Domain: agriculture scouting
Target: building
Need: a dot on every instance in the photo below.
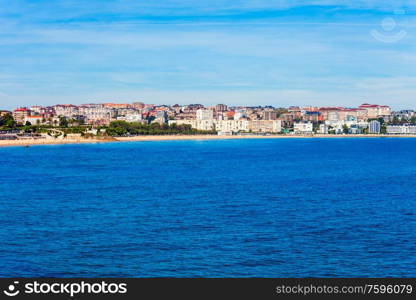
(355, 129)
(192, 123)
(374, 111)
(97, 114)
(333, 116)
(20, 114)
(205, 124)
(239, 114)
(204, 114)
(66, 110)
(221, 107)
(401, 129)
(232, 125)
(404, 114)
(269, 115)
(196, 124)
(312, 116)
(134, 118)
(161, 117)
(263, 126)
(303, 128)
(117, 105)
(37, 109)
(323, 129)
(33, 120)
(329, 112)
(122, 112)
(338, 127)
(138, 105)
(374, 127)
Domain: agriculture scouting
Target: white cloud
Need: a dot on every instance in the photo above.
(77, 56)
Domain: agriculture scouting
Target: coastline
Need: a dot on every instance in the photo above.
(149, 138)
(36, 142)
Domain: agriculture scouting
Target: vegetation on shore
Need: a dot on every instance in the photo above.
(122, 128)
(7, 122)
(116, 128)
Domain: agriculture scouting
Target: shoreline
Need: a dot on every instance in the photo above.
(150, 138)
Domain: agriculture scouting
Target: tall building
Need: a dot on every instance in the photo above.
(375, 111)
(374, 127)
(221, 107)
(20, 114)
(161, 117)
(97, 113)
(269, 115)
(204, 114)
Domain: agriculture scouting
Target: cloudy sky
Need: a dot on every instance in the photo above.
(254, 52)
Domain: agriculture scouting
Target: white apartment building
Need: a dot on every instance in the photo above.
(197, 124)
(374, 127)
(323, 129)
(205, 124)
(37, 109)
(126, 111)
(67, 111)
(401, 129)
(303, 128)
(272, 126)
(193, 123)
(340, 124)
(239, 114)
(134, 118)
(232, 125)
(204, 114)
(221, 125)
(97, 113)
(34, 120)
(131, 118)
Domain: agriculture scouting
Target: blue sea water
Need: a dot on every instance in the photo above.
(226, 208)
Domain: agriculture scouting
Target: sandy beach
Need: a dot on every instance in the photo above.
(30, 142)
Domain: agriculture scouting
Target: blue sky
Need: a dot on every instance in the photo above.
(258, 52)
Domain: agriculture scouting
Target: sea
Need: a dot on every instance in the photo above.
(307, 207)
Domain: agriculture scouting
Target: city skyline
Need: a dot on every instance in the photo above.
(140, 119)
(279, 53)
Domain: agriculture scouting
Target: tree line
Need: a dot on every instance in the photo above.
(123, 128)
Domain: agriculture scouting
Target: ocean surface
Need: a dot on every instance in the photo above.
(228, 208)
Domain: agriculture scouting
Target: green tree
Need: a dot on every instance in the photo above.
(345, 129)
(120, 128)
(7, 121)
(63, 122)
